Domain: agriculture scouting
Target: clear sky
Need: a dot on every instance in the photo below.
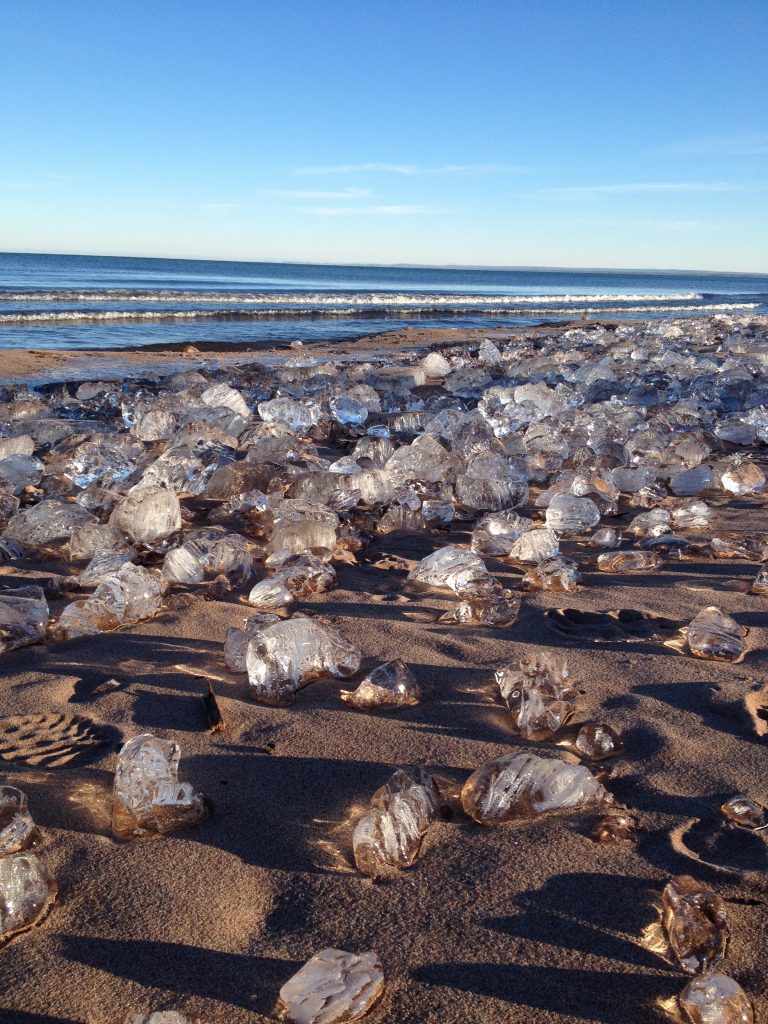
(603, 133)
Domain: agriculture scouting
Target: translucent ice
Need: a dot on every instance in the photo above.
(128, 595)
(715, 999)
(46, 522)
(535, 546)
(485, 603)
(334, 987)
(745, 812)
(450, 567)
(556, 574)
(596, 740)
(695, 924)
(713, 634)
(569, 514)
(148, 797)
(629, 561)
(389, 685)
(27, 890)
(497, 532)
(524, 786)
(158, 1017)
(389, 836)
(743, 478)
(148, 515)
(23, 617)
(537, 690)
(284, 657)
(16, 825)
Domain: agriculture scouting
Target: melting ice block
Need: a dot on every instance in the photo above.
(451, 567)
(148, 797)
(713, 634)
(27, 890)
(695, 924)
(538, 692)
(158, 1017)
(389, 835)
(148, 515)
(389, 685)
(334, 987)
(715, 999)
(128, 595)
(283, 657)
(597, 740)
(16, 825)
(629, 561)
(744, 812)
(46, 522)
(23, 617)
(570, 514)
(554, 574)
(524, 786)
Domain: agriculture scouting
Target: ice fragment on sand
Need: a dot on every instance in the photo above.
(715, 999)
(744, 812)
(535, 546)
(760, 582)
(743, 478)
(537, 691)
(389, 835)
(596, 740)
(46, 522)
(148, 797)
(148, 515)
(128, 595)
(554, 574)
(451, 567)
(714, 635)
(23, 617)
(517, 786)
(334, 987)
(16, 825)
(158, 1017)
(694, 923)
(288, 655)
(614, 829)
(27, 890)
(237, 640)
(497, 532)
(485, 603)
(389, 685)
(570, 514)
(629, 561)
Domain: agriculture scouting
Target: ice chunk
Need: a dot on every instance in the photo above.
(298, 415)
(485, 603)
(103, 461)
(537, 690)
(629, 561)
(570, 514)
(525, 786)
(694, 923)
(715, 999)
(148, 515)
(651, 524)
(450, 567)
(158, 1017)
(556, 574)
(497, 532)
(389, 836)
(436, 365)
(223, 396)
(491, 494)
(17, 828)
(389, 685)
(237, 640)
(27, 891)
(284, 657)
(46, 522)
(690, 481)
(148, 797)
(23, 617)
(535, 546)
(694, 515)
(334, 987)
(128, 595)
(613, 828)
(347, 410)
(713, 634)
(745, 812)
(743, 478)
(596, 740)
(760, 582)
(18, 472)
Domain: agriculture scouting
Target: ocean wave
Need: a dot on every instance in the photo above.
(377, 312)
(327, 298)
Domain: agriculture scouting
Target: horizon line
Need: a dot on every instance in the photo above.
(399, 265)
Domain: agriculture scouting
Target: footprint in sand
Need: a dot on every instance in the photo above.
(720, 846)
(53, 741)
(624, 624)
(756, 703)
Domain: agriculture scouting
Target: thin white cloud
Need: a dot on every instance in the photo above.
(642, 188)
(288, 193)
(374, 211)
(410, 169)
(717, 145)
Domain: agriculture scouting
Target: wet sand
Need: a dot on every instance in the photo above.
(528, 924)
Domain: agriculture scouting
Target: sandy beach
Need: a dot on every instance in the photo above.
(527, 923)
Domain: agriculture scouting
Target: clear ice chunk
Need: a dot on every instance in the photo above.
(497, 532)
(389, 685)
(744, 812)
(148, 797)
(714, 635)
(334, 987)
(760, 582)
(537, 690)
(695, 924)
(284, 657)
(569, 514)
(535, 546)
(128, 595)
(27, 891)
(237, 640)
(522, 786)
(629, 561)
(555, 574)
(743, 477)
(158, 1017)
(46, 522)
(148, 515)
(485, 603)
(597, 740)
(615, 829)
(715, 999)
(389, 836)
(270, 593)
(23, 617)
(455, 568)
(17, 828)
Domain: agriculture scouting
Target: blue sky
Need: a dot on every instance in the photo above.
(603, 133)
